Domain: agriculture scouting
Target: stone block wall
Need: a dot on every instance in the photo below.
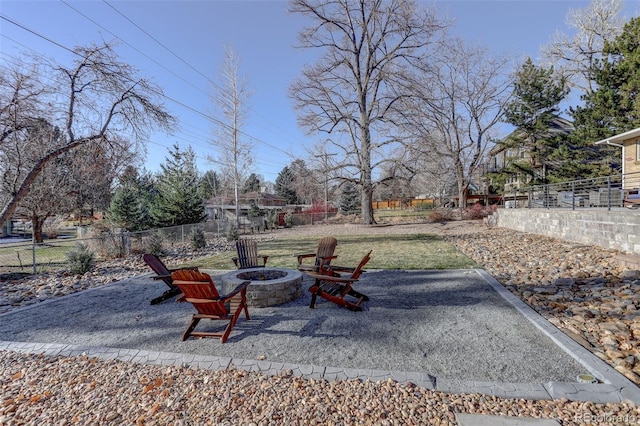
(616, 229)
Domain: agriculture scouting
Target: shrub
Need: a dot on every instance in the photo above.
(441, 214)
(51, 227)
(288, 220)
(272, 219)
(232, 233)
(80, 259)
(478, 211)
(109, 243)
(155, 244)
(197, 239)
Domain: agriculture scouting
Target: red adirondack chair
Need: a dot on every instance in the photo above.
(199, 290)
(162, 273)
(332, 283)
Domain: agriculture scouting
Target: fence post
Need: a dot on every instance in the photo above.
(573, 196)
(33, 255)
(609, 193)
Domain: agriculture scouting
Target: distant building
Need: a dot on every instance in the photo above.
(225, 207)
(630, 144)
(500, 157)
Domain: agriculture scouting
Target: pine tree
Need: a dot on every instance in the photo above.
(179, 202)
(252, 184)
(349, 199)
(614, 107)
(284, 186)
(534, 113)
(132, 200)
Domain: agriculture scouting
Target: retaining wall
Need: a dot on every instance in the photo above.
(614, 229)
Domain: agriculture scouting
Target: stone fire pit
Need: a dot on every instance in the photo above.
(269, 286)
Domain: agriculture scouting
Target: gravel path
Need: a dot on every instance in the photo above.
(579, 288)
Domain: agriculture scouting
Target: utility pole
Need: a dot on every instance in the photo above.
(325, 169)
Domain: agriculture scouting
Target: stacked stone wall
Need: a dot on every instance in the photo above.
(612, 229)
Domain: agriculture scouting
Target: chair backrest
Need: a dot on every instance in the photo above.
(326, 247)
(358, 271)
(198, 289)
(247, 249)
(155, 264)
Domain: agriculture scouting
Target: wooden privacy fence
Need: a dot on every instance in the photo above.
(405, 203)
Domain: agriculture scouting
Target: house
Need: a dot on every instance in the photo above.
(502, 155)
(219, 208)
(630, 144)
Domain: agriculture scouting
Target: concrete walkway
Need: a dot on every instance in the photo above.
(452, 331)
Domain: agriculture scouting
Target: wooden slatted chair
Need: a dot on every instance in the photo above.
(331, 283)
(248, 257)
(322, 257)
(162, 273)
(199, 290)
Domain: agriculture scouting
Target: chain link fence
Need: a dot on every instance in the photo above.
(21, 255)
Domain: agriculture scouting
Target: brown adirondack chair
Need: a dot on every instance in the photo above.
(162, 273)
(333, 284)
(199, 290)
(322, 257)
(248, 256)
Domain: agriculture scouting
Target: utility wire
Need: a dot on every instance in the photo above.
(157, 92)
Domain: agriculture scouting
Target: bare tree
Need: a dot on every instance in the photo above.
(574, 57)
(231, 98)
(456, 106)
(94, 101)
(94, 171)
(368, 46)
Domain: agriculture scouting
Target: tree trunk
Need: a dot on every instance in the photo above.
(36, 227)
(366, 204)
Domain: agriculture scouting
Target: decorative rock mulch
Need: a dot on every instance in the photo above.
(579, 288)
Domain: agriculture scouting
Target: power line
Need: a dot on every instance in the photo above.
(181, 60)
(159, 93)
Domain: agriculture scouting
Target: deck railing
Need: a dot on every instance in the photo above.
(604, 192)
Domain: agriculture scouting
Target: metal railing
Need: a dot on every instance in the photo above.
(602, 192)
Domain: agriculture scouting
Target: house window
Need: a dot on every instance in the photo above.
(638, 150)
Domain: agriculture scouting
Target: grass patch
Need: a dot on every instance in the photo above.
(416, 251)
(49, 255)
(382, 215)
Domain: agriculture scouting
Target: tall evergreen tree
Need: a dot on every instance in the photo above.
(179, 201)
(534, 110)
(131, 203)
(349, 199)
(284, 186)
(614, 107)
(252, 184)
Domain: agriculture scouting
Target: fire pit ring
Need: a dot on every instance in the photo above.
(269, 286)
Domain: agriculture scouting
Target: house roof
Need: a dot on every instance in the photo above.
(618, 139)
(557, 126)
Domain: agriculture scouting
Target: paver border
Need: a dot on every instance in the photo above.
(613, 389)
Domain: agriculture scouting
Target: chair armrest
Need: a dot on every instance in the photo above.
(344, 269)
(332, 278)
(301, 256)
(161, 277)
(239, 288)
(186, 268)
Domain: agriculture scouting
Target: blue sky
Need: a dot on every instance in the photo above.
(180, 45)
